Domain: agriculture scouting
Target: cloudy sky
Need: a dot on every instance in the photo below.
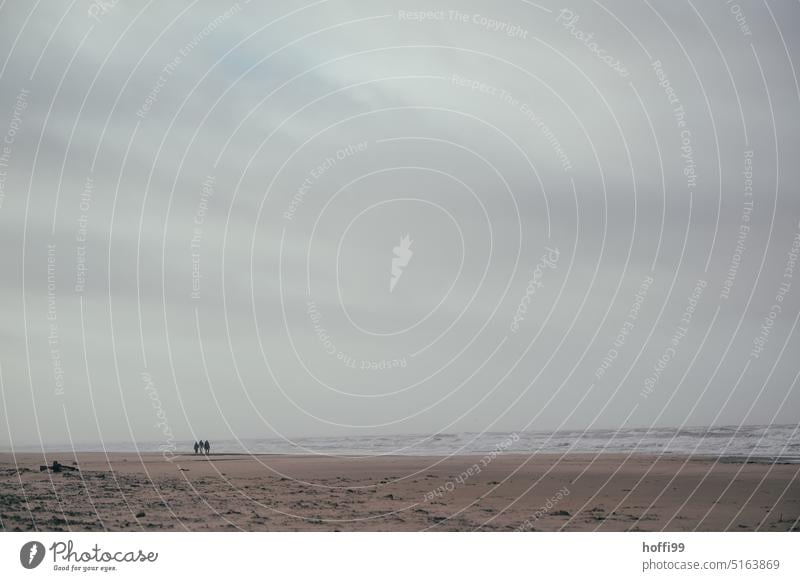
(203, 207)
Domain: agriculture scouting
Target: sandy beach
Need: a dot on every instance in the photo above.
(397, 493)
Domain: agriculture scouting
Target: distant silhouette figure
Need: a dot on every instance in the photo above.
(196, 447)
(207, 447)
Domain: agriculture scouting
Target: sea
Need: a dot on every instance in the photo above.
(757, 443)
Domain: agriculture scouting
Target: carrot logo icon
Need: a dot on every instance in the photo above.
(31, 555)
(402, 256)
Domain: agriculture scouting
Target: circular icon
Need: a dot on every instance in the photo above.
(31, 554)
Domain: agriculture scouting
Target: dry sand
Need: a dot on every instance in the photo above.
(397, 493)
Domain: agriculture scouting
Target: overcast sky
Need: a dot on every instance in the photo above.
(201, 203)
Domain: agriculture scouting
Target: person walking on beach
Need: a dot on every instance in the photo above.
(207, 447)
(196, 447)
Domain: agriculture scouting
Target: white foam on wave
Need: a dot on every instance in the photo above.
(776, 441)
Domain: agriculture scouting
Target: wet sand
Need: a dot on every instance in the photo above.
(123, 491)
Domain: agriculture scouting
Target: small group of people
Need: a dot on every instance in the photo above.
(202, 447)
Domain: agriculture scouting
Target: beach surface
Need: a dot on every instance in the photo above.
(513, 492)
